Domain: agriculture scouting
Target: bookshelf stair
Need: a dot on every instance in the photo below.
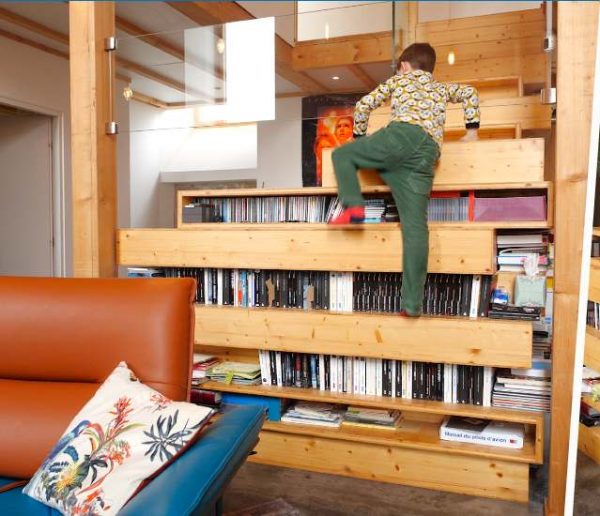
(414, 456)
(456, 340)
(453, 248)
(483, 161)
(589, 437)
(531, 453)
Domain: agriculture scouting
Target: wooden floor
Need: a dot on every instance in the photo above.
(315, 494)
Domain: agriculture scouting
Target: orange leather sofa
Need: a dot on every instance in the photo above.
(60, 339)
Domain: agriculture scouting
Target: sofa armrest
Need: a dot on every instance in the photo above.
(195, 481)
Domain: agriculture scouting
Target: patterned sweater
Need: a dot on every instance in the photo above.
(417, 98)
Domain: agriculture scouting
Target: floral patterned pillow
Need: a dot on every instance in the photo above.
(122, 436)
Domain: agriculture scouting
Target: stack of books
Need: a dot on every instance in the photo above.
(316, 414)
(482, 431)
(590, 383)
(529, 390)
(235, 372)
(202, 363)
(371, 418)
(589, 415)
(514, 248)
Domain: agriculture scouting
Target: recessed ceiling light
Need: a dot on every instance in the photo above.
(336, 78)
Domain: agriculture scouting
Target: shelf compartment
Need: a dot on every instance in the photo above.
(591, 357)
(377, 247)
(594, 292)
(413, 456)
(534, 420)
(483, 161)
(452, 340)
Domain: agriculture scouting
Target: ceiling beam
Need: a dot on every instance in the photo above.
(33, 26)
(359, 72)
(214, 13)
(38, 28)
(344, 51)
(49, 50)
(151, 39)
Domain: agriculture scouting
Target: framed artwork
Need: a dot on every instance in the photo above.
(327, 121)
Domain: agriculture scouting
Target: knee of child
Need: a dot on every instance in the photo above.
(338, 153)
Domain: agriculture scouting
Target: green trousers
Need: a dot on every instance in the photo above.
(405, 155)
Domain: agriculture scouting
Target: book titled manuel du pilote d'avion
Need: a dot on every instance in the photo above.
(481, 431)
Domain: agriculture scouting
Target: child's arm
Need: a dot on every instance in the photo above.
(368, 103)
(469, 97)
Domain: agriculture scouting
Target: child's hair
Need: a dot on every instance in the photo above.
(421, 56)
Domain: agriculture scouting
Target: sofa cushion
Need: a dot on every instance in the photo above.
(61, 337)
(191, 485)
(123, 435)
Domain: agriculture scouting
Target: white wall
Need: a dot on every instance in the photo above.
(433, 11)
(269, 153)
(38, 81)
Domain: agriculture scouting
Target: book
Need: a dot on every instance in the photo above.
(480, 431)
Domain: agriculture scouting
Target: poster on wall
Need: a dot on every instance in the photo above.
(327, 121)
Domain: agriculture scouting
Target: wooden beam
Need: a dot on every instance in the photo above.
(151, 39)
(359, 72)
(214, 13)
(33, 26)
(413, 19)
(34, 44)
(147, 99)
(343, 51)
(93, 152)
(577, 26)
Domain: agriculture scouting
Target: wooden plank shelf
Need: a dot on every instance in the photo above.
(370, 247)
(591, 357)
(451, 340)
(532, 419)
(594, 290)
(414, 456)
(187, 195)
(589, 441)
(482, 161)
(596, 232)
(422, 434)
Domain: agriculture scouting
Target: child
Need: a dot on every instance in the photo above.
(404, 153)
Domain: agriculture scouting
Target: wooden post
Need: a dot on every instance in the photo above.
(577, 25)
(413, 19)
(93, 152)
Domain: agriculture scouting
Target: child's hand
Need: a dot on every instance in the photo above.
(470, 136)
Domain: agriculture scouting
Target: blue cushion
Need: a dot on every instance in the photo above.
(192, 484)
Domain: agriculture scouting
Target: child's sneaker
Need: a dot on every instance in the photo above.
(404, 313)
(352, 215)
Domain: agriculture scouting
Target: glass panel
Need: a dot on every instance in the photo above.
(324, 20)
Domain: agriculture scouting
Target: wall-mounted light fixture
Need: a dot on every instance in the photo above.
(127, 93)
(451, 57)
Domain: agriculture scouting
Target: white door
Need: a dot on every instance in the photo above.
(26, 243)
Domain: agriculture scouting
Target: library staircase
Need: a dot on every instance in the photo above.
(503, 160)
(589, 437)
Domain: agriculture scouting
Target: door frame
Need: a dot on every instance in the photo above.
(58, 215)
